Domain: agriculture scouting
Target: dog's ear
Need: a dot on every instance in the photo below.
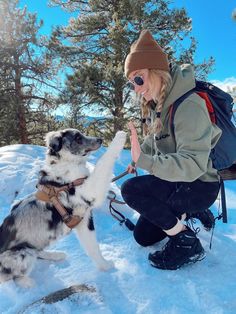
(54, 141)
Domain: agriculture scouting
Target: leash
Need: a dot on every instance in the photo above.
(112, 198)
(121, 175)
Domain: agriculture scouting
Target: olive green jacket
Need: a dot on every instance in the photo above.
(184, 155)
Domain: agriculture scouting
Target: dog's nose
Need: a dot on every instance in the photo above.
(99, 140)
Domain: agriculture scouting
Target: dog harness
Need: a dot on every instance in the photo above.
(48, 193)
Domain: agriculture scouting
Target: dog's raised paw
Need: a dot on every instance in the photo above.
(121, 135)
(119, 140)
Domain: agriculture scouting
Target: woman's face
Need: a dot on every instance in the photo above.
(141, 82)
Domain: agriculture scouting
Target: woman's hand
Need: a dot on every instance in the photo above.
(135, 147)
(131, 169)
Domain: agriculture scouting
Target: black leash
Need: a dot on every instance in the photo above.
(114, 212)
(121, 175)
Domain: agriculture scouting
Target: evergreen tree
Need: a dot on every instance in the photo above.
(96, 43)
(25, 75)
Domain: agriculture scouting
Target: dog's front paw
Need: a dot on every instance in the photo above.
(58, 256)
(52, 256)
(106, 265)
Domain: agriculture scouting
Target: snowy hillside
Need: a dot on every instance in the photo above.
(133, 286)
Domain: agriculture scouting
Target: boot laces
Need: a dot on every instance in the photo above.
(191, 224)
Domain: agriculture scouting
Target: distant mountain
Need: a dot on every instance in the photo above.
(87, 119)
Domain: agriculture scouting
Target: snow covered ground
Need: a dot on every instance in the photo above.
(133, 286)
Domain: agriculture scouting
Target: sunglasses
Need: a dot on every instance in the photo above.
(146, 120)
(138, 80)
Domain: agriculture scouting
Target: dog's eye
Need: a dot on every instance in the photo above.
(78, 139)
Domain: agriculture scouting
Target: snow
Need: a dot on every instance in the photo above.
(133, 286)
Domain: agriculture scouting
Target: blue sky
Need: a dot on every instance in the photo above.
(213, 28)
(215, 31)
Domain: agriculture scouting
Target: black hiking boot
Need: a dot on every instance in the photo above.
(206, 218)
(183, 248)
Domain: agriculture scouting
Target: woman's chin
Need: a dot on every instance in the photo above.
(147, 98)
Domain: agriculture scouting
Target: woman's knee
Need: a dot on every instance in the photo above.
(124, 186)
(128, 187)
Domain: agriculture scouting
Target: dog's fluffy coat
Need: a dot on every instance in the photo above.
(33, 224)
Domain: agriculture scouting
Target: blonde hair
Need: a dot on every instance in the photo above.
(158, 97)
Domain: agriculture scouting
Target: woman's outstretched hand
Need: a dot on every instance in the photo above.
(135, 146)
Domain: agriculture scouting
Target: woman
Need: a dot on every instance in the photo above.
(181, 177)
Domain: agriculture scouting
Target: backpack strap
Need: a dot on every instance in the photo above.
(175, 106)
(200, 93)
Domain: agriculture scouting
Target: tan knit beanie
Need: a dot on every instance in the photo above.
(145, 53)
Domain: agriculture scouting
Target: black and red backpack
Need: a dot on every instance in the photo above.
(220, 108)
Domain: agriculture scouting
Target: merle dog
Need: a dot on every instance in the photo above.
(34, 224)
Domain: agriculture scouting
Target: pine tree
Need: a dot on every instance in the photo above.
(94, 45)
(25, 75)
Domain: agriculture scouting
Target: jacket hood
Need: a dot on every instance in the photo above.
(183, 80)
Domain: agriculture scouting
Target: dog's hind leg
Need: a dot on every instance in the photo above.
(24, 282)
(51, 256)
(87, 237)
(17, 265)
(95, 188)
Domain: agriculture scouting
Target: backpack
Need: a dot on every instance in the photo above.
(220, 108)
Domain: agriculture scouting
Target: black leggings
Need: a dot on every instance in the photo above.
(161, 202)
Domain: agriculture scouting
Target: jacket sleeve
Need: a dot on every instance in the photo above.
(147, 146)
(193, 135)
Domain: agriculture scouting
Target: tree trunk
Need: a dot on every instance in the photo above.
(23, 135)
(118, 112)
